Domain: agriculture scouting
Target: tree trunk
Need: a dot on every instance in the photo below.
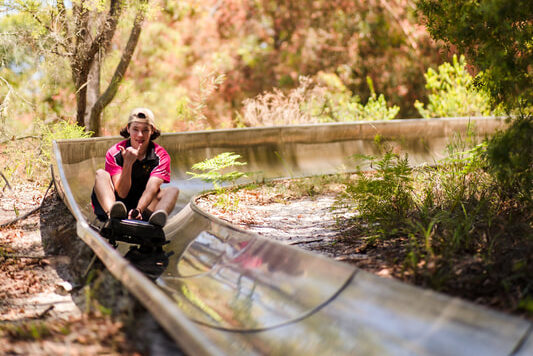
(93, 90)
(86, 53)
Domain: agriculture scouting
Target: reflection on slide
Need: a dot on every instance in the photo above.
(265, 282)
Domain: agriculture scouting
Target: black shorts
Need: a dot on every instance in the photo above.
(131, 203)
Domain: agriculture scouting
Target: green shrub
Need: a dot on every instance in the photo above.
(337, 104)
(509, 157)
(452, 93)
(58, 131)
(438, 209)
(212, 169)
(30, 156)
(212, 173)
(382, 199)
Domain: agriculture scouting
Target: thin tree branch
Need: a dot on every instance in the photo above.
(120, 71)
(101, 40)
(36, 18)
(67, 24)
(45, 312)
(62, 25)
(5, 179)
(106, 34)
(81, 22)
(20, 138)
(12, 90)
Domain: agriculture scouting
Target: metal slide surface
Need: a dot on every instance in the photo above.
(228, 291)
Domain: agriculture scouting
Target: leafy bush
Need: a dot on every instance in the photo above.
(469, 211)
(496, 37)
(452, 93)
(212, 172)
(60, 130)
(384, 198)
(30, 156)
(509, 158)
(438, 208)
(337, 104)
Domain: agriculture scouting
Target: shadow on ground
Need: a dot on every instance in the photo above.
(93, 286)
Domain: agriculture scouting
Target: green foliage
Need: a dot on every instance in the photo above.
(377, 108)
(212, 172)
(452, 209)
(454, 204)
(212, 169)
(495, 35)
(29, 330)
(458, 175)
(30, 158)
(452, 93)
(485, 205)
(33, 84)
(382, 198)
(60, 39)
(58, 131)
(509, 158)
(12, 53)
(337, 104)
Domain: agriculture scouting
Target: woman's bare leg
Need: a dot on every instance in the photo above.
(165, 200)
(104, 190)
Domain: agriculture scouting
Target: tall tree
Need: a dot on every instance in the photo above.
(496, 36)
(82, 31)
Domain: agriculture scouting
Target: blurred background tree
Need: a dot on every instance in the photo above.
(496, 36)
(74, 38)
(199, 64)
(264, 45)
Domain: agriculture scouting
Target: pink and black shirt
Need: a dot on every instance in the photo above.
(156, 163)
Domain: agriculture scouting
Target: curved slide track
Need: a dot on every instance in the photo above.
(222, 290)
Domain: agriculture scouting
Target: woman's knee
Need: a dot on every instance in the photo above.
(102, 181)
(170, 191)
(102, 174)
(174, 191)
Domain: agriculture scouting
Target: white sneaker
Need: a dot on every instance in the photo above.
(159, 218)
(118, 211)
